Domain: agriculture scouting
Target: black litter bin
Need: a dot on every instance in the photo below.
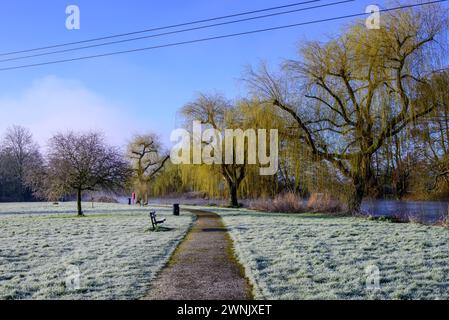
(129, 201)
(176, 209)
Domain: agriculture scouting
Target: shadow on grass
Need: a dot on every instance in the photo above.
(159, 229)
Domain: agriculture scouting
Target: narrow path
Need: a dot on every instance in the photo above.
(203, 267)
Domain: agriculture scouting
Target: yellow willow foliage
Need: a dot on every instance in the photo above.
(298, 170)
(358, 71)
(203, 178)
(168, 182)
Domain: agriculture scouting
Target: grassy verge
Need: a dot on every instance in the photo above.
(310, 256)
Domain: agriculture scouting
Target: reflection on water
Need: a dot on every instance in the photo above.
(428, 211)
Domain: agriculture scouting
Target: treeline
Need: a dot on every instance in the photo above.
(76, 165)
(19, 156)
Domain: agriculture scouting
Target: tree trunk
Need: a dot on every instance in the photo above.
(234, 202)
(78, 202)
(361, 179)
(356, 196)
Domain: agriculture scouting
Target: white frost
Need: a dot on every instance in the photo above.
(317, 257)
(116, 256)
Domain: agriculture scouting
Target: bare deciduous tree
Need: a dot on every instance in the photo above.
(24, 157)
(81, 162)
(147, 158)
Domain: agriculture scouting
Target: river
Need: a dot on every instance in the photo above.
(425, 211)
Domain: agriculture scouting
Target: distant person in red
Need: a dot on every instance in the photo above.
(133, 197)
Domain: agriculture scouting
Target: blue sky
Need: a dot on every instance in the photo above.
(138, 92)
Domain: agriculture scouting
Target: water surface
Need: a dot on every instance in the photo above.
(426, 211)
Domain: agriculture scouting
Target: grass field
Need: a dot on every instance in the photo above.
(312, 256)
(307, 256)
(41, 246)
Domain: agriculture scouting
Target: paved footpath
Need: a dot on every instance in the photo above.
(203, 267)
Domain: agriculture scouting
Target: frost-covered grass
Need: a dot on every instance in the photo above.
(42, 246)
(313, 256)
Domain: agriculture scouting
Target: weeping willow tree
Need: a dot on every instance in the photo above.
(348, 96)
(298, 171)
(256, 115)
(234, 180)
(216, 113)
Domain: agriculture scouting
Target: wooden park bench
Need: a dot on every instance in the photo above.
(154, 222)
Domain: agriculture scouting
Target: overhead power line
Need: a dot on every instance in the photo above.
(159, 28)
(217, 37)
(175, 32)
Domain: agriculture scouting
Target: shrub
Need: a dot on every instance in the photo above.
(293, 203)
(444, 221)
(286, 202)
(324, 202)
